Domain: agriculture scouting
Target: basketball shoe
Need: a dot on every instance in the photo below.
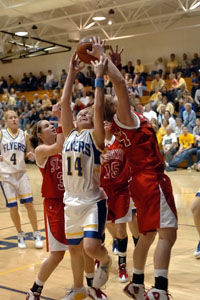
(37, 239)
(155, 294)
(21, 240)
(197, 251)
(102, 274)
(76, 294)
(32, 296)
(135, 291)
(122, 273)
(96, 294)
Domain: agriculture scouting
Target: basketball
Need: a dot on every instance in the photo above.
(82, 47)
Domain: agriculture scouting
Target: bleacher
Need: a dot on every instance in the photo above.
(144, 99)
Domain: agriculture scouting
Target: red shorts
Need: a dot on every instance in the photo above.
(55, 225)
(119, 208)
(153, 197)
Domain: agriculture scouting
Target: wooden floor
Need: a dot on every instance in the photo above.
(18, 268)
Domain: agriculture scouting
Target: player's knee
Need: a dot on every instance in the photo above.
(91, 248)
(57, 257)
(121, 233)
(75, 250)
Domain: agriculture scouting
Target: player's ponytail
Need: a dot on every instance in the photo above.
(34, 139)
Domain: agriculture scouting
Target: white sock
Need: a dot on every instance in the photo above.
(39, 282)
(160, 272)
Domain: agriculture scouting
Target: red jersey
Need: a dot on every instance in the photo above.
(114, 169)
(140, 145)
(52, 185)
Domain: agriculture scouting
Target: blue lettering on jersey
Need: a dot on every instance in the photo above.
(14, 146)
(78, 146)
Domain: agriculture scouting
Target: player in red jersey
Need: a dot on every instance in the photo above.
(114, 179)
(48, 147)
(151, 188)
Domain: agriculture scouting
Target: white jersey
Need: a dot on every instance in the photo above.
(81, 167)
(13, 150)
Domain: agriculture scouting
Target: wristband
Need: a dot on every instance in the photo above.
(59, 129)
(99, 82)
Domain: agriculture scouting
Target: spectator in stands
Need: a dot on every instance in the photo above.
(170, 119)
(156, 84)
(24, 102)
(13, 93)
(149, 113)
(128, 79)
(185, 66)
(24, 116)
(129, 68)
(46, 114)
(179, 127)
(63, 78)
(90, 76)
(189, 117)
(91, 99)
(162, 132)
(51, 82)
(46, 102)
(159, 67)
(195, 63)
(180, 81)
(196, 149)
(186, 141)
(173, 81)
(34, 115)
(169, 145)
(108, 85)
(196, 129)
(161, 113)
(32, 82)
(78, 88)
(195, 84)
(169, 94)
(3, 84)
(78, 105)
(168, 105)
(139, 84)
(36, 99)
(41, 80)
(8, 101)
(139, 67)
(197, 100)
(84, 98)
(24, 83)
(12, 83)
(172, 64)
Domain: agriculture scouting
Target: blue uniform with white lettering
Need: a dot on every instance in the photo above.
(14, 181)
(85, 200)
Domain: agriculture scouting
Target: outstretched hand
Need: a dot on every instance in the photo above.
(100, 66)
(56, 110)
(97, 47)
(76, 65)
(116, 56)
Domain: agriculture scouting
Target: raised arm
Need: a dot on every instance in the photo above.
(99, 132)
(123, 109)
(66, 112)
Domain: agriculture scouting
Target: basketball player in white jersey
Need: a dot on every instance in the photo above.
(14, 145)
(85, 201)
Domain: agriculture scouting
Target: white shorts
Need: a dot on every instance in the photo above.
(84, 220)
(14, 187)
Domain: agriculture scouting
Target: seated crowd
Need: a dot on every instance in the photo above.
(172, 110)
